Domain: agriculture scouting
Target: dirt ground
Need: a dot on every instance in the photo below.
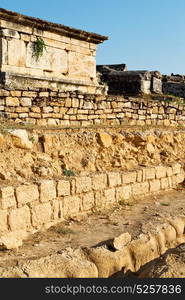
(99, 229)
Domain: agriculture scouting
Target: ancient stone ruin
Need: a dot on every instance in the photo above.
(77, 143)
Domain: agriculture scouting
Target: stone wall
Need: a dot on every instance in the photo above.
(29, 207)
(123, 82)
(174, 85)
(54, 107)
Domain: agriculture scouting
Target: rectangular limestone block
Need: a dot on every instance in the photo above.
(56, 209)
(25, 101)
(18, 47)
(71, 206)
(83, 184)
(139, 177)
(99, 181)
(109, 197)
(129, 177)
(7, 197)
(27, 193)
(180, 177)
(149, 173)
(63, 188)
(47, 190)
(160, 171)
(140, 188)
(114, 179)
(12, 101)
(88, 201)
(169, 171)
(155, 185)
(164, 183)
(19, 219)
(41, 214)
(176, 168)
(3, 221)
(123, 192)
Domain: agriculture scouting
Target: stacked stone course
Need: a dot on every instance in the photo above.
(30, 207)
(55, 108)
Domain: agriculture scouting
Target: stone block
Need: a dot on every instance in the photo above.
(18, 47)
(88, 201)
(71, 206)
(15, 93)
(149, 173)
(129, 177)
(12, 101)
(124, 192)
(56, 209)
(19, 219)
(140, 188)
(3, 221)
(27, 193)
(7, 197)
(47, 190)
(169, 171)
(104, 139)
(109, 197)
(63, 188)
(160, 171)
(176, 168)
(83, 184)
(155, 185)
(99, 181)
(41, 214)
(25, 101)
(180, 177)
(114, 179)
(164, 183)
(139, 175)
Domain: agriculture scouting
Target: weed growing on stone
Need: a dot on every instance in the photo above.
(68, 172)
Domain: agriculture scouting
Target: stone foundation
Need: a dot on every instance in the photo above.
(30, 207)
(54, 107)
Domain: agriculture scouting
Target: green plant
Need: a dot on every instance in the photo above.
(68, 172)
(39, 47)
(165, 204)
(32, 139)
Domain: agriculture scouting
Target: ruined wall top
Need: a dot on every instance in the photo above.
(49, 26)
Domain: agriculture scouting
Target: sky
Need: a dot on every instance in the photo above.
(143, 34)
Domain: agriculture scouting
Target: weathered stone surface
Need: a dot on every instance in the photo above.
(25, 101)
(164, 183)
(99, 181)
(104, 139)
(20, 139)
(7, 197)
(140, 188)
(176, 168)
(83, 184)
(47, 190)
(13, 239)
(71, 206)
(155, 185)
(109, 197)
(121, 241)
(124, 192)
(12, 101)
(150, 173)
(114, 179)
(88, 201)
(27, 193)
(41, 214)
(129, 177)
(63, 188)
(3, 221)
(160, 171)
(18, 47)
(19, 219)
